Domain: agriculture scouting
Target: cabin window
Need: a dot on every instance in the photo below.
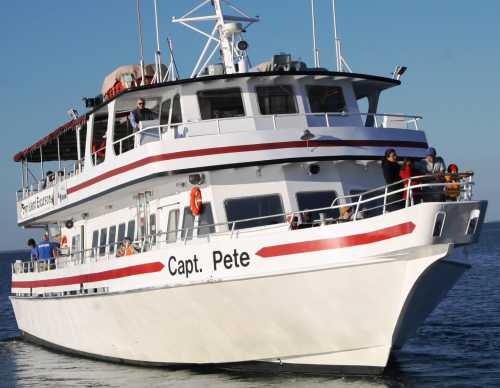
(102, 242)
(317, 200)
(95, 243)
(165, 112)
(123, 140)
(173, 225)
(220, 103)
(121, 232)
(371, 208)
(252, 207)
(131, 230)
(326, 99)
(176, 110)
(152, 228)
(99, 139)
(187, 224)
(112, 239)
(206, 220)
(278, 99)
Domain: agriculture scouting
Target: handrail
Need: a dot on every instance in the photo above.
(165, 128)
(390, 198)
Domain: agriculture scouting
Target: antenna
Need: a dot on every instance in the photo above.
(227, 34)
(141, 41)
(340, 61)
(158, 76)
(172, 71)
(315, 48)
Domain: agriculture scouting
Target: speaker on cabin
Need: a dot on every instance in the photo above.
(196, 179)
(314, 169)
(69, 224)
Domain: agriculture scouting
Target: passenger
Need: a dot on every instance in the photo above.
(34, 249)
(452, 183)
(346, 213)
(101, 150)
(126, 248)
(407, 172)
(47, 250)
(390, 168)
(294, 222)
(433, 165)
(306, 221)
(141, 114)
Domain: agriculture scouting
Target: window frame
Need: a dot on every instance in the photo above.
(307, 89)
(220, 89)
(270, 216)
(293, 96)
(336, 214)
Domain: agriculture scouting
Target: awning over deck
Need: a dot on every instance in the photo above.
(67, 144)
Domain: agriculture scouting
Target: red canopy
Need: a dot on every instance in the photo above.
(49, 138)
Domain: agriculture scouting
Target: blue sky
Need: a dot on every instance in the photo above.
(55, 52)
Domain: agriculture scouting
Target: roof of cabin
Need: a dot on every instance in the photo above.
(363, 85)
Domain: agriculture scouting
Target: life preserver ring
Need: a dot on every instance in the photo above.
(196, 201)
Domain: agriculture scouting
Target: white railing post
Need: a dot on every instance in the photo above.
(218, 126)
(274, 121)
(385, 199)
(327, 120)
(407, 202)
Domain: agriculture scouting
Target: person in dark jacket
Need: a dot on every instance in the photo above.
(391, 169)
(141, 114)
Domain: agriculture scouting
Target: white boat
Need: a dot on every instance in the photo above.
(232, 196)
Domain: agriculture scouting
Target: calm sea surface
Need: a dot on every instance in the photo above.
(458, 346)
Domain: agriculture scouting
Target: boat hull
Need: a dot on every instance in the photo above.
(340, 307)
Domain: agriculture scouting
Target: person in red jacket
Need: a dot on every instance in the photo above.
(407, 172)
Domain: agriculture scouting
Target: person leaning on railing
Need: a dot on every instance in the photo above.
(452, 187)
(406, 173)
(126, 248)
(391, 169)
(433, 165)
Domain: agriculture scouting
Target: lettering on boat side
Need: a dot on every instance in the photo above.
(36, 203)
(220, 261)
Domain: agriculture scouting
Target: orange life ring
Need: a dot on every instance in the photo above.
(196, 201)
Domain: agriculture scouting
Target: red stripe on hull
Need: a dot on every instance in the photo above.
(337, 242)
(92, 277)
(245, 148)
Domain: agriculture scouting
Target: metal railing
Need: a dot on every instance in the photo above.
(225, 126)
(372, 203)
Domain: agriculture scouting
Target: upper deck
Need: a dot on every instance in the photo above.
(212, 123)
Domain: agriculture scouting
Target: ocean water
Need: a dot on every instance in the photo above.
(458, 346)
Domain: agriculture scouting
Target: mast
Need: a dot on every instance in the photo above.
(141, 41)
(227, 34)
(338, 55)
(158, 51)
(315, 44)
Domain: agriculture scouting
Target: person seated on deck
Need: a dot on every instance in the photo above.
(126, 248)
(452, 183)
(307, 221)
(141, 114)
(346, 213)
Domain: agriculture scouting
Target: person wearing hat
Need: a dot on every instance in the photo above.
(433, 165)
(452, 183)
